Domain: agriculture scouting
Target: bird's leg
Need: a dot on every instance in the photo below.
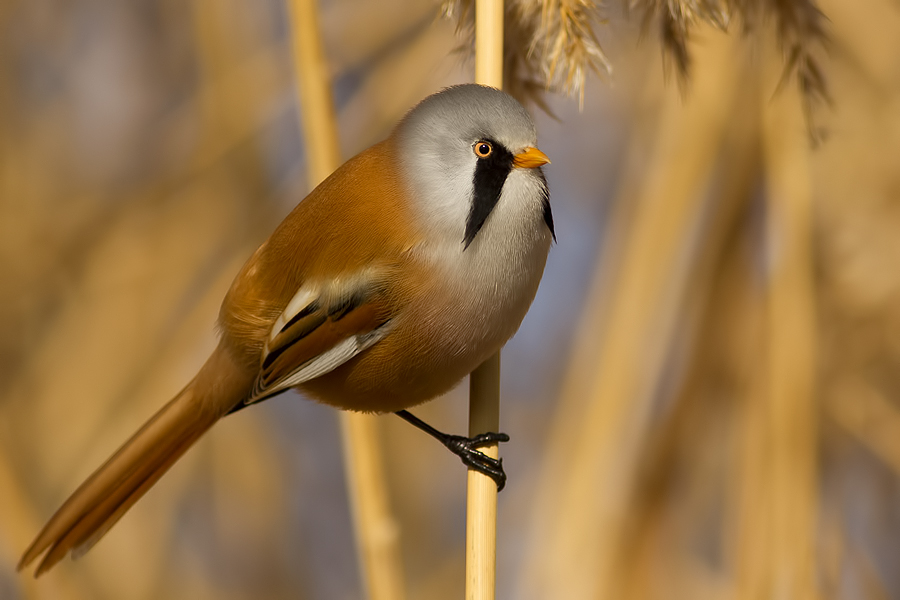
(466, 448)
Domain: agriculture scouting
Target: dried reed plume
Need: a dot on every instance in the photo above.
(551, 44)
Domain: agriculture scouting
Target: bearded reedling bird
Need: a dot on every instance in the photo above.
(403, 271)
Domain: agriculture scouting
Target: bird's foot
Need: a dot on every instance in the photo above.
(467, 450)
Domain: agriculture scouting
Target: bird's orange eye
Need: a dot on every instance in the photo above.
(483, 149)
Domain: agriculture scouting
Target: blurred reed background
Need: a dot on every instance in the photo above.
(704, 401)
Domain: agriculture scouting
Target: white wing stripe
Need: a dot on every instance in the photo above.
(331, 359)
(303, 298)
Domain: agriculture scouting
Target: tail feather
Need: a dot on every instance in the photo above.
(120, 482)
(85, 544)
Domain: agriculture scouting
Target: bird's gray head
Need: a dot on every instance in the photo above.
(457, 151)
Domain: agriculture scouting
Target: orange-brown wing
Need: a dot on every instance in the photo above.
(319, 331)
(353, 223)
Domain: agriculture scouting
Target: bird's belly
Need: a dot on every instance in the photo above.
(453, 327)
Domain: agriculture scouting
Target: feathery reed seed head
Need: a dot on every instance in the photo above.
(551, 44)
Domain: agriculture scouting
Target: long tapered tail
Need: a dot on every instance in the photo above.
(120, 482)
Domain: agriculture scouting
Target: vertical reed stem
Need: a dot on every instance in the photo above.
(489, 42)
(314, 91)
(778, 543)
(484, 383)
(376, 530)
(481, 498)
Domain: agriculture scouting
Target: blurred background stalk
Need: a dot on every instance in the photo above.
(376, 532)
(779, 513)
(593, 457)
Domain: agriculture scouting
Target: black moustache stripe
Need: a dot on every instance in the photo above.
(545, 204)
(490, 175)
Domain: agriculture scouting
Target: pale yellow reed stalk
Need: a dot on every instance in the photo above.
(314, 92)
(376, 529)
(484, 383)
(587, 487)
(489, 42)
(779, 518)
(481, 496)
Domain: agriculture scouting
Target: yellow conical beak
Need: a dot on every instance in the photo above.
(531, 158)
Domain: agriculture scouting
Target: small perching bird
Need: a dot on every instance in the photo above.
(403, 271)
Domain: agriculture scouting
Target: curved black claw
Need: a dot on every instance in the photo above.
(467, 450)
